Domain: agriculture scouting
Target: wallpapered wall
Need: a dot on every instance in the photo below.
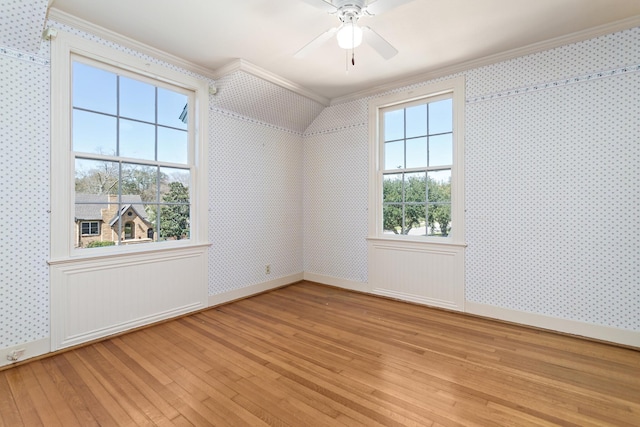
(551, 185)
(255, 184)
(24, 196)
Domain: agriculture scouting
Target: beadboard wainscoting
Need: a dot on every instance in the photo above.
(95, 298)
(424, 273)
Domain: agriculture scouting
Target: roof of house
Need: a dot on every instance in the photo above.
(124, 209)
(88, 206)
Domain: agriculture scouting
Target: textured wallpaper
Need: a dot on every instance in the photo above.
(22, 23)
(255, 202)
(266, 103)
(551, 184)
(24, 196)
(335, 202)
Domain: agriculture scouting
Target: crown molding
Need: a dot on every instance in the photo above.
(236, 65)
(248, 67)
(578, 36)
(86, 26)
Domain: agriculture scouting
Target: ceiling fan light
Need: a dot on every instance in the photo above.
(349, 36)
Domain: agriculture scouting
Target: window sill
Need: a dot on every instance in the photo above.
(110, 254)
(416, 240)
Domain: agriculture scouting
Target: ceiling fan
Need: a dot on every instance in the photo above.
(349, 34)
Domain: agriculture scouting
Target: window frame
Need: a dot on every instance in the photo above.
(455, 88)
(65, 49)
(97, 223)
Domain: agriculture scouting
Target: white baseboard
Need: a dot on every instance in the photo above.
(337, 282)
(253, 289)
(31, 349)
(599, 332)
(573, 327)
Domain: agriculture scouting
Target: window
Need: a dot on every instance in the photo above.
(129, 142)
(90, 228)
(416, 162)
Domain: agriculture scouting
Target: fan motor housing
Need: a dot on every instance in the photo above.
(349, 10)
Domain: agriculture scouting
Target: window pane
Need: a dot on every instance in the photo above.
(441, 117)
(154, 220)
(417, 153)
(141, 181)
(171, 108)
(439, 218)
(174, 212)
(94, 89)
(414, 219)
(416, 121)
(137, 100)
(393, 125)
(392, 188)
(439, 186)
(394, 155)
(392, 219)
(173, 145)
(94, 133)
(441, 150)
(415, 188)
(96, 177)
(137, 140)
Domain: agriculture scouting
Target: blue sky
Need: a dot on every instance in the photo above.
(133, 133)
(428, 141)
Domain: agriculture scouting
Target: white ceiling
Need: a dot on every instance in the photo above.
(430, 34)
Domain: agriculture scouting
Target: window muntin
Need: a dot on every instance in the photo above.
(132, 146)
(416, 164)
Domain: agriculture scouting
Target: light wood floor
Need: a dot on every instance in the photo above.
(309, 355)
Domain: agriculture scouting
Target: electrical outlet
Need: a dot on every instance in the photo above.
(267, 268)
(15, 355)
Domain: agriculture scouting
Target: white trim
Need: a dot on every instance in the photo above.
(88, 27)
(337, 282)
(62, 48)
(95, 298)
(248, 67)
(576, 37)
(248, 291)
(456, 86)
(251, 120)
(236, 65)
(574, 327)
(31, 349)
(595, 75)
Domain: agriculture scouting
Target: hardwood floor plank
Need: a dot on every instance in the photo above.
(55, 368)
(54, 398)
(42, 405)
(311, 355)
(13, 406)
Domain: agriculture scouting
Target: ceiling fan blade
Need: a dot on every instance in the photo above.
(316, 43)
(376, 7)
(325, 5)
(379, 44)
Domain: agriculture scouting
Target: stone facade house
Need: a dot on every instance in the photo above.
(99, 218)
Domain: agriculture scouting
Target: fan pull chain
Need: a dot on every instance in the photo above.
(346, 62)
